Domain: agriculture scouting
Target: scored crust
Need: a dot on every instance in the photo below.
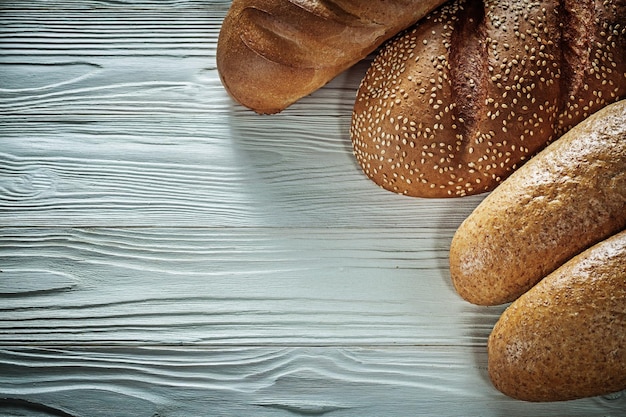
(454, 105)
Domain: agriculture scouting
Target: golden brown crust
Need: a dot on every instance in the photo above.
(567, 198)
(456, 104)
(566, 337)
(270, 53)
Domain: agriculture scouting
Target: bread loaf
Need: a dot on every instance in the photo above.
(271, 53)
(567, 198)
(566, 337)
(453, 106)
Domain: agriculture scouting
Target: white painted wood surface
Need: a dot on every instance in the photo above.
(165, 252)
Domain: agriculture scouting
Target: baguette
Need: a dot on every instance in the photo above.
(567, 198)
(566, 337)
(270, 53)
(453, 106)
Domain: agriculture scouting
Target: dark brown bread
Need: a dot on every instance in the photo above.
(566, 337)
(270, 53)
(453, 106)
(567, 198)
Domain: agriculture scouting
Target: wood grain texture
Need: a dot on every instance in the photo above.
(165, 252)
(137, 173)
(264, 382)
(233, 286)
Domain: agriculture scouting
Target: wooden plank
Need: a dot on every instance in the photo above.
(264, 382)
(232, 286)
(24, 6)
(136, 174)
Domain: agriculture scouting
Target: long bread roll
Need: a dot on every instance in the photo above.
(456, 104)
(567, 198)
(270, 53)
(566, 337)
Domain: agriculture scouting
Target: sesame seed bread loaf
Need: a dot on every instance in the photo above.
(566, 337)
(454, 105)
(270, 53)
(564, 200)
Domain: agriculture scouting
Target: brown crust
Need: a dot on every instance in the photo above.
(453, 106)
(270, 53)
(567, 198)
(566, 337)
